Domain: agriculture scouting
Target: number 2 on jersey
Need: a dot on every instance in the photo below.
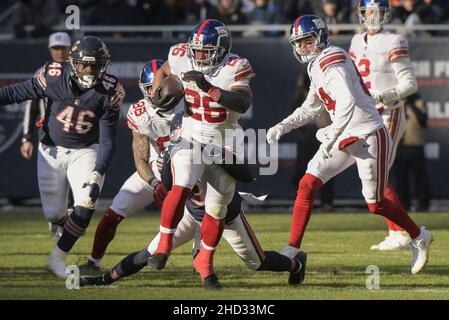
(364, 67)
(81, 125)
(211, 115)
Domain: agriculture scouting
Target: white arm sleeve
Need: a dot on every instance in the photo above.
(308, 111)
(407, 84)
(340, 85)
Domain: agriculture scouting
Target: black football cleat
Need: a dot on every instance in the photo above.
(90, 267)
(211, 283)
(92, 281)
(297, 277)
(158, 261)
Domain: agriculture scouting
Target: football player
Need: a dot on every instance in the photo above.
(77, 137)
(237, 232)
(59, 45)
(357, 135)
(151, 135)
(382, 58)
(217, 93)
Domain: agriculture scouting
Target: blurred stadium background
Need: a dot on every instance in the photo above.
(138, 30)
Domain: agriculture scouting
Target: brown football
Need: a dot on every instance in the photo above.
(172, 86)
(169, 93)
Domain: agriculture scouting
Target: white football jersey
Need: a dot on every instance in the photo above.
(373, 56)
(206, 120)
(144, 119)
(336, 86)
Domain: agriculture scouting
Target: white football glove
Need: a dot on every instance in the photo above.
(275, 133)
(376, 96)
(326, 148)
(94, 181)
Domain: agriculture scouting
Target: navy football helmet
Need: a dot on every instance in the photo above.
(147, 76)
(374, 13)
(89, 51)
(208, 45)
(304, 27)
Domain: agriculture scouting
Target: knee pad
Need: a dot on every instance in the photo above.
(309, 186)
(217, 211)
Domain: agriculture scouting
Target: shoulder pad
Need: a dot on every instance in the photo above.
(135, 111)
(51, 72)
(331, 57)
(240, 68)
(399, 48)
(111, 87)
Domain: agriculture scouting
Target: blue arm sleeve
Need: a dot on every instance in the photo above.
(108, 132)
(28, 90)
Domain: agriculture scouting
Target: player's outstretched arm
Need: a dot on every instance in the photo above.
(28, 90)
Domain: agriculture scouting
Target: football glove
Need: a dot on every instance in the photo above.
(198, 78)
(275, 133)
(94, 181)
(159, 192)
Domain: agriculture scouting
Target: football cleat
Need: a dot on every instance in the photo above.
(89, 266)
(289, 251)
(56, 263)
(397, 240)
(158, 261)
(420, 249)
(92, 281)
(211, 283)
(297, 277)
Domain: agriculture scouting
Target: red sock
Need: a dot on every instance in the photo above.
(307, 189)
(172, 212)
(392, 196)
(105, 232)
(396, 213)
(211, 231)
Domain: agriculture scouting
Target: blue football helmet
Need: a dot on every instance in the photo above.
(147, 76)
(379, 12)
(303, 27)
(208, 45)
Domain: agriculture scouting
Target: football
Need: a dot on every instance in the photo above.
(169, 93)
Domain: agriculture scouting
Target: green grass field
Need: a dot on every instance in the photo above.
(337, 247)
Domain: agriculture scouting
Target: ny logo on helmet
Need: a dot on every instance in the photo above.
(319, 23)
(222, 30)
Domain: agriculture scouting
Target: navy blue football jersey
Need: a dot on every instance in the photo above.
(74, 118)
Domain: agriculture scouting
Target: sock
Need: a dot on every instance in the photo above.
(392, 196)
(274, 261)
(396, 213)
(211, 231)
(105, 232)
(61, 222)
(307, 189)
(172, 213)
(74, 227)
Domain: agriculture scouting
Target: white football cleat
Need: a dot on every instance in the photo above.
(56, 263)
(289, 251)
(396, 240)
(421, 248)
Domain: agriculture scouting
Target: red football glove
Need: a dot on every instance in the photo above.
(159, 192)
